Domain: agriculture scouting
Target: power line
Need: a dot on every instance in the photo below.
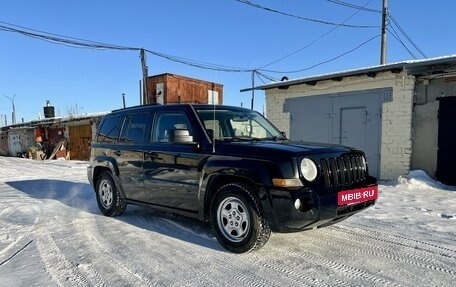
(199, 64)
(60, 39)
(396, 35)
(326, 61)
(353, 6)
(78, 43)
(261, 75)
(395, 22)
(83, 43)
(316, 39)
(250, 3)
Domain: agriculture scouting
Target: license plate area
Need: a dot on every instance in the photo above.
(358, 195)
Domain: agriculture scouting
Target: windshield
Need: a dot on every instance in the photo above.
(237, 124)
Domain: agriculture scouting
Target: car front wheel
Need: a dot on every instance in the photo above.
(237, 219)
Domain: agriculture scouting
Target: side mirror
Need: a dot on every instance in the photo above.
(180, 136)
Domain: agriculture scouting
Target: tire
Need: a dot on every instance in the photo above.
(108, 196)
(237, 219)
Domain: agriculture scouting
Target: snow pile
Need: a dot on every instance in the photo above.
(418, 179)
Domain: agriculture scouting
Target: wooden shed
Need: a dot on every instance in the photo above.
(79, 132)
(173, 89)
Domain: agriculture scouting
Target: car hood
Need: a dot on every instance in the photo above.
(278, 148)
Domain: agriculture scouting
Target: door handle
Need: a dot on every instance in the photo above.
(151, 155)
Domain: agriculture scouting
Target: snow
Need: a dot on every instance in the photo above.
(52, 234)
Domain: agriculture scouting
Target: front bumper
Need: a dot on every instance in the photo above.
(307, 208)
(90, 174)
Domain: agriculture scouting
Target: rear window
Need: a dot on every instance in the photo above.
(109, 129)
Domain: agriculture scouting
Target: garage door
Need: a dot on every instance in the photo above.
(446, 152)
(351, 119)
(80, 137)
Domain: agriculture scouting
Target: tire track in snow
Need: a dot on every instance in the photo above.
(64, 271)
(222, 262)
(290, 274)
(129, 271)
(348, 271)
(412, 258)
(310, 257)
(296, 275)
(180, 236)
(59, 268)
(404, 241)
(86, 269)
(399, 240)
(173, 238)
(228, 264)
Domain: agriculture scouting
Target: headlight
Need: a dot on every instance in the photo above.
(364, 163)
(309, 169)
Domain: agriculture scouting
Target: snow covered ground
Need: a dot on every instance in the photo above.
(52, 234)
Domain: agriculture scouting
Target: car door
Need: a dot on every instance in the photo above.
(129, 154)
(170, 165)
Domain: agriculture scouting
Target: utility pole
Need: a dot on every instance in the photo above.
(144, 67)
(13, 116)
(383, 45)
(123, 100)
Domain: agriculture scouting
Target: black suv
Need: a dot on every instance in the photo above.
(226, 165)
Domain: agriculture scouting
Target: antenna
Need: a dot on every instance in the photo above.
(213, 120)
(253, 90)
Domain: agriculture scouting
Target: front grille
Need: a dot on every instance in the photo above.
(343, 171)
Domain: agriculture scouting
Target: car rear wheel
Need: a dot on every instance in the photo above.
(237, 219)
(108, 196)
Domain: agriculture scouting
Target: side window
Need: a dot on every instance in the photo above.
(167, 123)
(213, 129)
(109, 129)
(134, 128)
(249, 128)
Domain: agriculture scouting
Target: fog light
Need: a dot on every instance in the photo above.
(298, 204)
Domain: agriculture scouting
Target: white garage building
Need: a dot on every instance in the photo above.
(389, 111)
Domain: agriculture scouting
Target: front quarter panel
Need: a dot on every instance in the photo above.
(219, 170)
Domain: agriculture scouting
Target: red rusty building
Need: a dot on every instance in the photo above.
(173, 89)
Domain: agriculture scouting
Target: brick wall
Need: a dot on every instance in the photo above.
(396, 130)
(274, 110)
(396, 146)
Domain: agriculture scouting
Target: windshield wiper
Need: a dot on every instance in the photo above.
(237, 138)
(274, 138)
(246, 138)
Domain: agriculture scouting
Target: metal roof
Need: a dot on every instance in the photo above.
(413, 67)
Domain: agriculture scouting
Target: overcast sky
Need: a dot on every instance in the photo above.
(277, 38)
